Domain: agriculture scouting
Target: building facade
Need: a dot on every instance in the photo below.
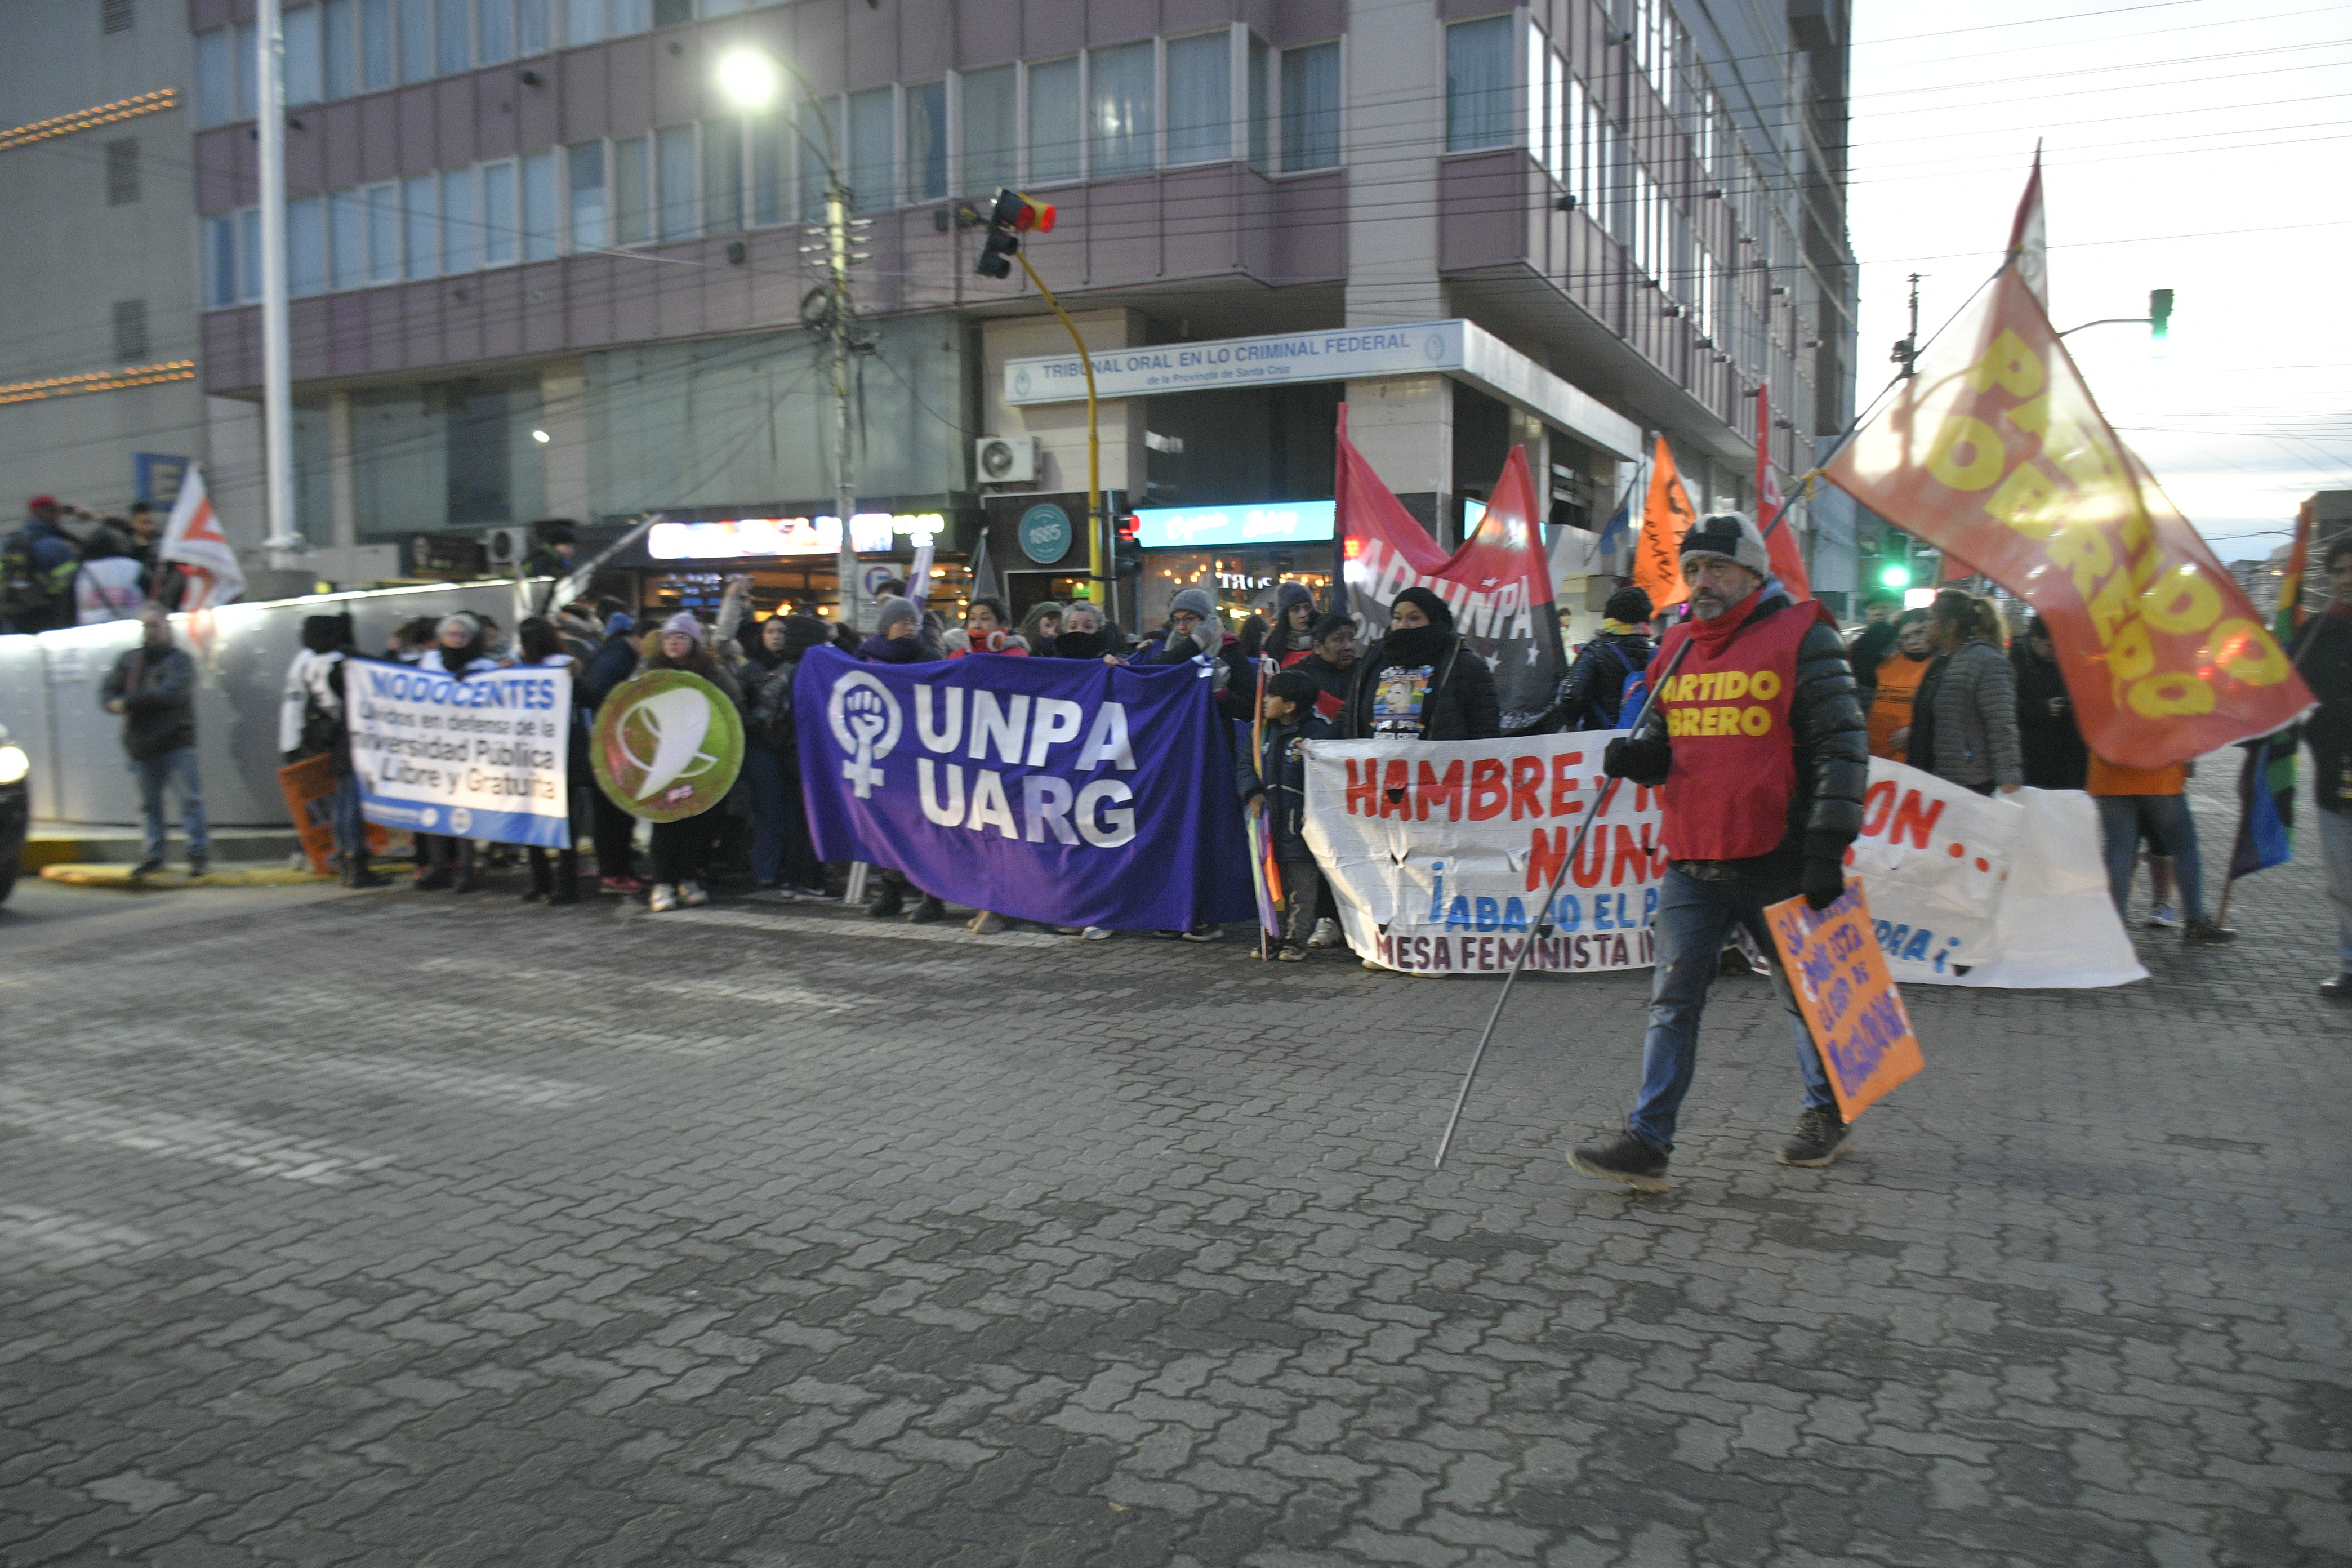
(542, 264)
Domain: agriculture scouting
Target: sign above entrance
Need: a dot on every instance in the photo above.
(1211, 527)
(735, 538)
(1046, 534)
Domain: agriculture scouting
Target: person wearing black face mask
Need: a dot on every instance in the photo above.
(1420, 682)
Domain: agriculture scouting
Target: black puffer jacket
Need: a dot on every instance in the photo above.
(1832, 742)
(1593, 696)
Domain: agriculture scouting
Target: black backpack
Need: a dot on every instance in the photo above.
(27, 593)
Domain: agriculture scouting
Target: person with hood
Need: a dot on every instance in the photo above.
(1421, 681)
(558, 543)
(898, 634)
(1273, 786)
(36, 571)
(2055, 754)
(1592, 697)
(1762, 794)
(783, 858)
(460, 646)
(1193, 630)
(541, 645)
(107, 587)
(1331, 664)
(312, 721)
(681, 848)
(614, 829)
(1293, 637)
(1039, 627)
(154, 687)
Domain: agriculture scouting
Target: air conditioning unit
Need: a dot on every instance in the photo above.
(505, 548)
(1005, 459)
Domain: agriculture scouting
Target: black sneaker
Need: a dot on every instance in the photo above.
(2338, 989)
(1626, 1158)
(889, 906)
(147, 867)
(927, 911)
(2203, 930)
(1205, 932)
(198, 865)
(1821, 1137)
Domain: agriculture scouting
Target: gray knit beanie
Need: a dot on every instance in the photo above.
(889, 613)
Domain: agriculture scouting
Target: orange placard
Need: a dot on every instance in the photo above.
(1849, 1001)
(310, 787)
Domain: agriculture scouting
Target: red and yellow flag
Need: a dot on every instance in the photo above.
(1997, 452)
(1667, 516)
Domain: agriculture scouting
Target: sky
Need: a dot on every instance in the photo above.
(2203, 146)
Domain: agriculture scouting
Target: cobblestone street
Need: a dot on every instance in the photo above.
(409, 1229)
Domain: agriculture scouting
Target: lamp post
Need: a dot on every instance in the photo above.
(276, 373)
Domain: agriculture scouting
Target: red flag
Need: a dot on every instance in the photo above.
(2029, 238)
(1667, 516)
(1771, 515)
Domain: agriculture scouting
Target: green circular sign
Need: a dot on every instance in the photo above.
(1046, 534)
(667, 745)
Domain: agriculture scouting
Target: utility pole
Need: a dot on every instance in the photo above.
(277, 374)
(1906, 352)
(845, 472)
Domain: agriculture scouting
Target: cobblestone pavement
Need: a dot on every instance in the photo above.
(411, 1229)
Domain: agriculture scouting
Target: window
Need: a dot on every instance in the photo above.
(722, 176)
(1119, 109)
(1199, 99)
(494, 38)
(1053, 121)
(671, 13)
(584, 21)
(115, 17)
(991, 130)
(461, 228)
(123, 171)
(306, 245)
(631, 16)
(415, 40)
(1261, 128)
(216, 80)
(538, 222)
(586, 162)
(130, 330)
(531, 34)
(248, 62)
(248, 253)
(347, 239)
(870, 184)
(375, 45)
(1311, 108)
(1478, 84)
(384, 232)
(770, 196)
(420, 227)
(451, 30)
(812, 142)
(674, 171)
(501, 238)
(220, 260)
(303, 58)
(927, 142)
(633, 207)
(342, 49)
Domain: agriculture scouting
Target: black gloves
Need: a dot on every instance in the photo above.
(1644, 759)
(1825, 881)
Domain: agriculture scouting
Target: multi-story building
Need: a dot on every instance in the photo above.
(542, 265)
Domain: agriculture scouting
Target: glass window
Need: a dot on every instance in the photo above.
(303, 58)
(722, 8)
(1261, 127)
(991, 130)
(415, 40)
(586, 162)
(1119, 109)
(306, 245)
(375, 45)
(384, 232)
(216, 78)
(1311, 108)
(1053, 121)
(927, 142)
(631, 16)
(1478, 84)
(633, 208)
(813, 144)
(248, 253)
(722, 176)
(249, 90)
(674, 175)
(769, 198)
(420, 227)
(347, 237)
(584, 21)
(1201, 99)
(672, 13)
(461, 225)
(539, 226)
(450, 29)
(531, 34)
(501, 235)
(220, 260)
(342, 49)
(869, 149)
(493, 31)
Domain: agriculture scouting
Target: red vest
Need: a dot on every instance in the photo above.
(1727, 796)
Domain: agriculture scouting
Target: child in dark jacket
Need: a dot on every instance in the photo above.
(1274, 786)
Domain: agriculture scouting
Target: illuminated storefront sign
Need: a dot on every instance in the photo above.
(738, 538)
(1215, 527)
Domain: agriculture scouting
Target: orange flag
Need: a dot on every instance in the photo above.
(1667, 516)
(1997, 452)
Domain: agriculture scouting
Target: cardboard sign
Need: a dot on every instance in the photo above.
(1839, 975)
(310, 787)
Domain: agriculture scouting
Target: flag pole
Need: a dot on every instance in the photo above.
(1543, 921)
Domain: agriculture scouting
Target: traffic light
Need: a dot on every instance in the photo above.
(1129, 553)
(1013, 215)
(1897, 576)
(2160, 313)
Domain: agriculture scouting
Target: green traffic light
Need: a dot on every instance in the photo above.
(1896, 576)
(2160, 313)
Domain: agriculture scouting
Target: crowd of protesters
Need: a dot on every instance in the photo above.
(51, 577)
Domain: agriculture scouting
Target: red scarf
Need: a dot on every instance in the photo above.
(1711, 635)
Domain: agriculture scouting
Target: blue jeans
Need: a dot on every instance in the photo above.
(1693, 920)
(2173, 832)
(2336, 848)
(179, 770)
(782, 849)
(343, 815)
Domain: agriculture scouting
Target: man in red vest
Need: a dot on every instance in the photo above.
(1760, 751)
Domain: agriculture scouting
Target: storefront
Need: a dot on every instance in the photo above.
(793, 559)
(1238, 554)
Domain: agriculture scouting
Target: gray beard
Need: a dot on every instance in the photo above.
(1707, 609)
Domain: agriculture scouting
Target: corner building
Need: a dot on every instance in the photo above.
(542, 266)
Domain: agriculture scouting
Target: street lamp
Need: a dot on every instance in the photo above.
(749, 77)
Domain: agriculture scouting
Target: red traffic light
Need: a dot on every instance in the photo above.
(1038, 216)
(1129, 527)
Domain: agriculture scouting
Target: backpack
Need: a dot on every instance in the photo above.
(1629, 696)
(27, 593)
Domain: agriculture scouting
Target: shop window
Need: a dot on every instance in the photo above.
(1311, 108)
(927, 142)
(1478, 84)
(1053, 121)
(1119, 109)
(1199, 99)
(990, 130)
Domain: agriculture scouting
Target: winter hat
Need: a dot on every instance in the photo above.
(1631, 605)
(684, 622)
(1728, 536)
(619, 620)
(1294, 689)
(803, 632)
(890, 611)
(1440, 612)
(1196, 600)
(324, 633)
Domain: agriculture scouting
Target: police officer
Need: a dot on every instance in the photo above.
(1759, 747)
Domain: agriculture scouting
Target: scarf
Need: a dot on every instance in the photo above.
(1407, 646)
(1081, 645)
(1622, 629)
(1714, 635)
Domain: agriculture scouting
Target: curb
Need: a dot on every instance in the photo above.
(94, 874)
